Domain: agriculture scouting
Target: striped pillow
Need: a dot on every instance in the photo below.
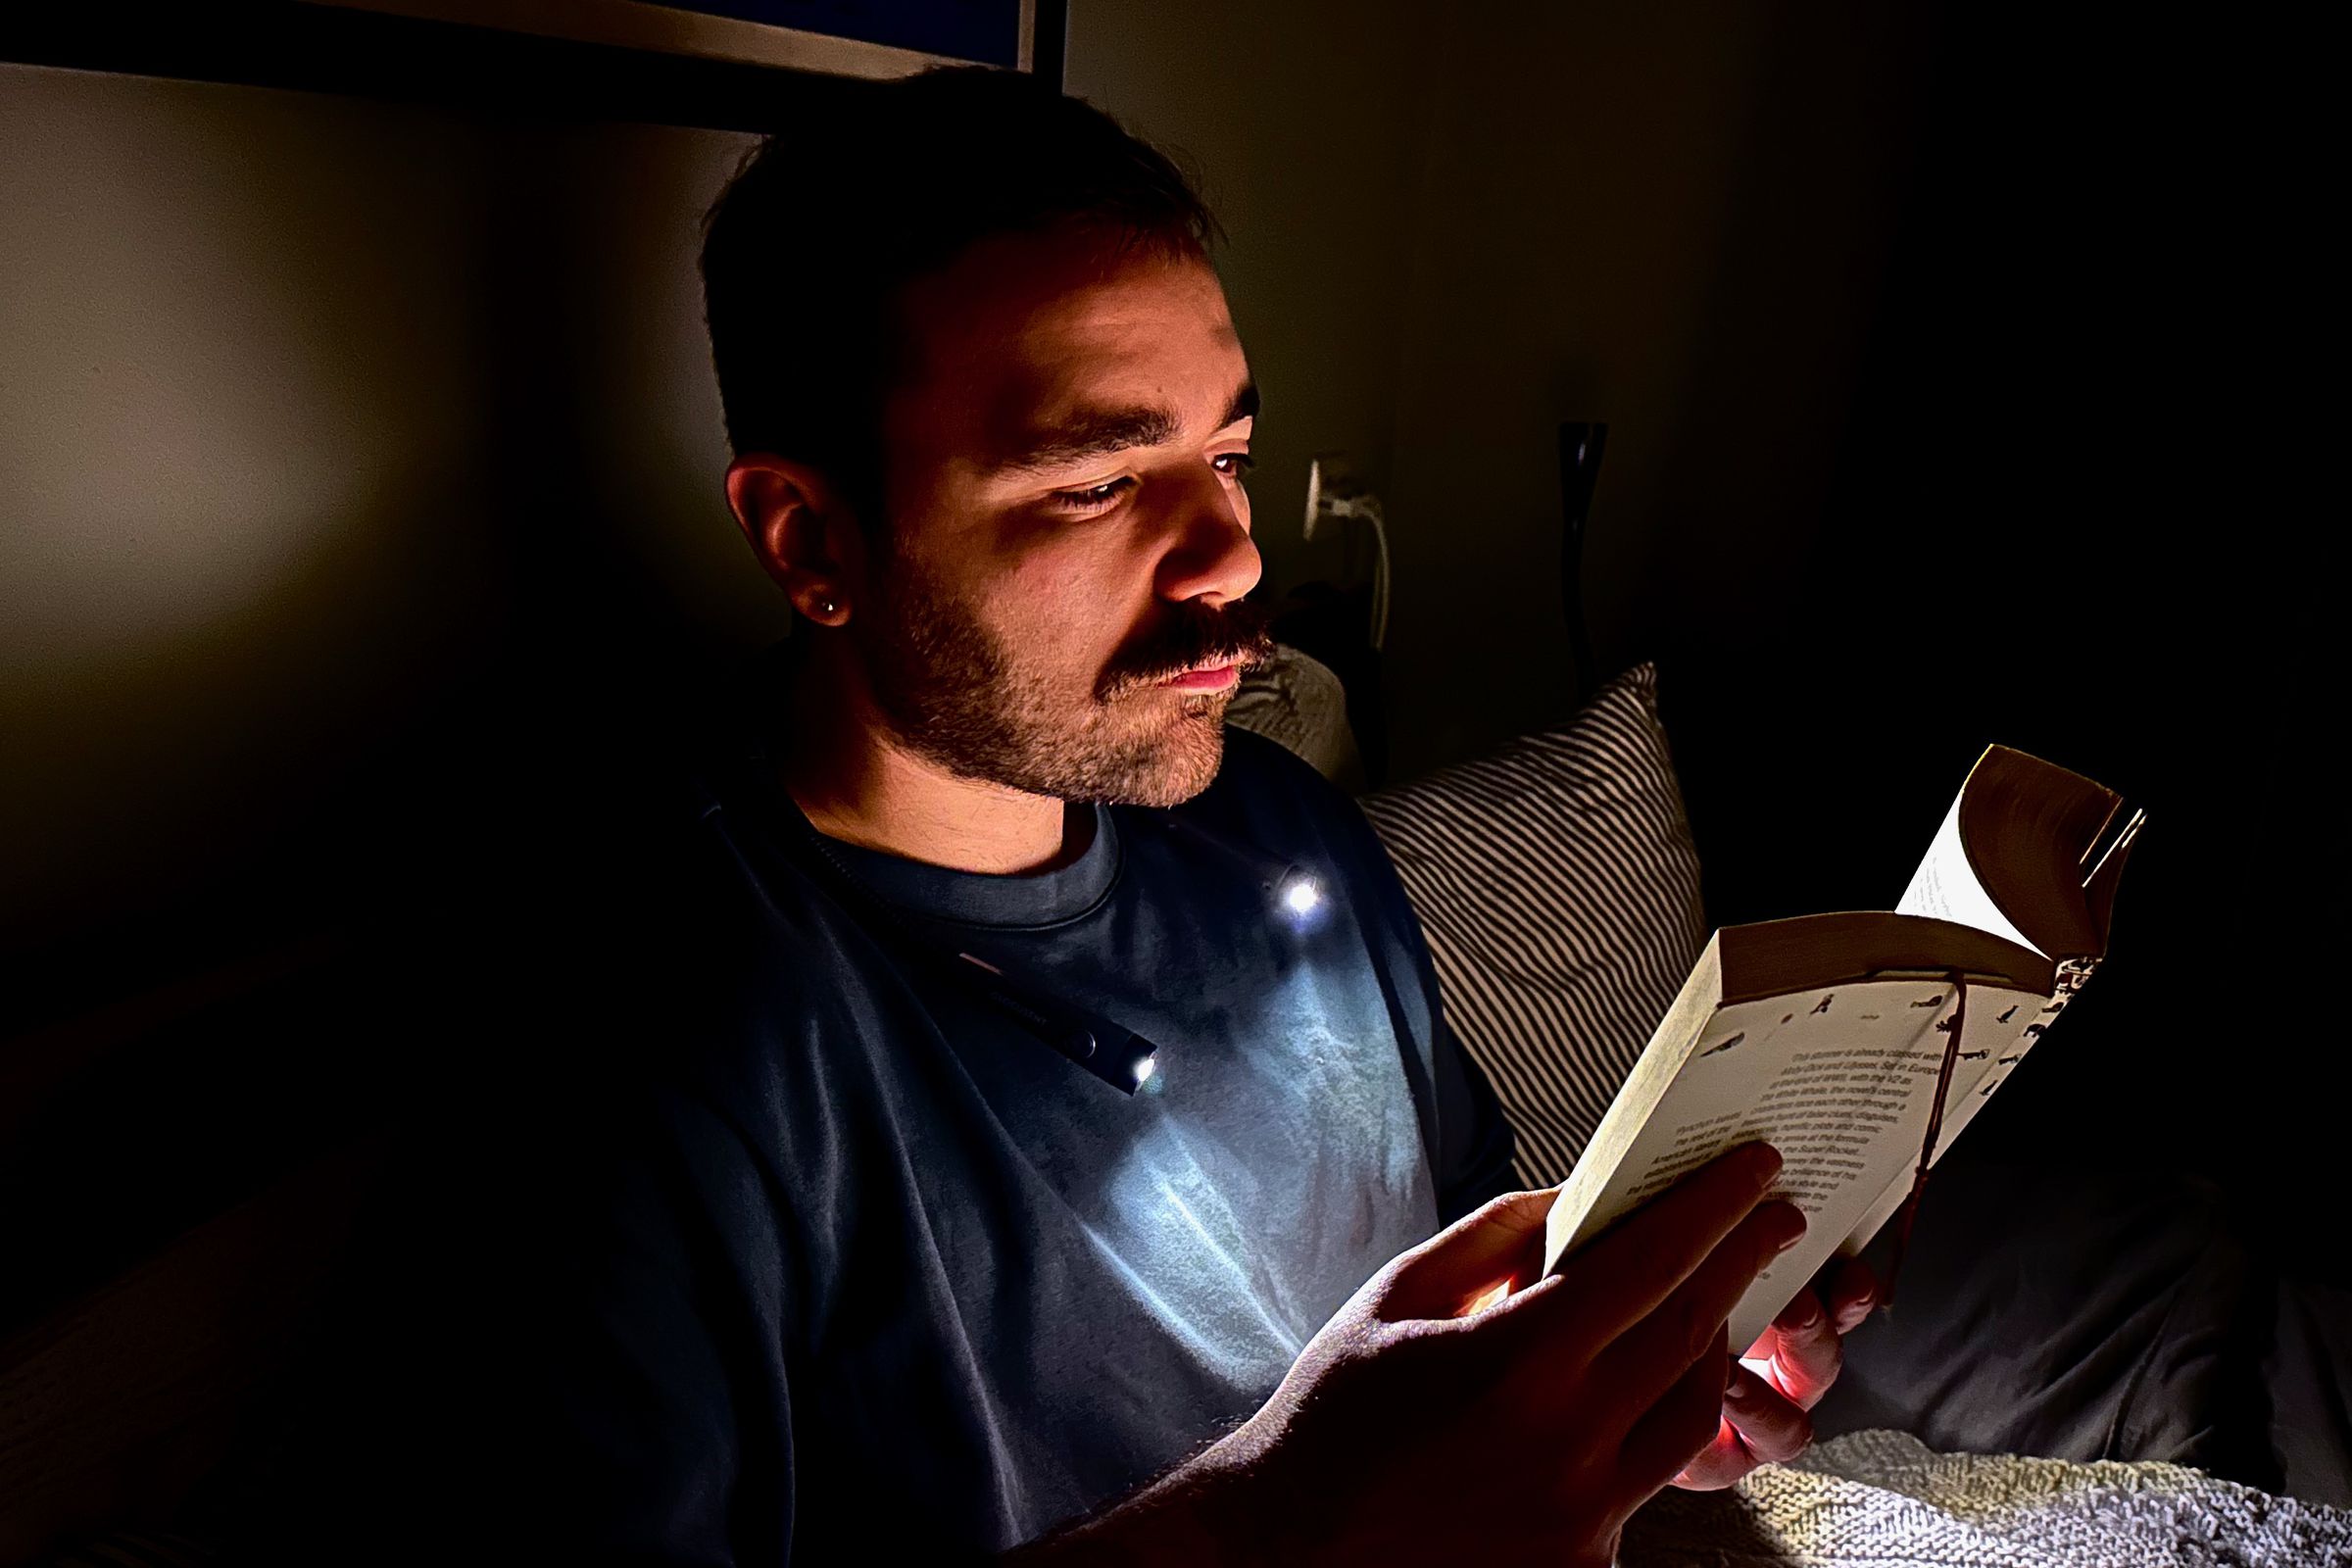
(1557, 886)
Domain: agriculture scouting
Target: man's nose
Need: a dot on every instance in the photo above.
(1211, 555)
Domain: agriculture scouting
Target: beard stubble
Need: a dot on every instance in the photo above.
(955, 693)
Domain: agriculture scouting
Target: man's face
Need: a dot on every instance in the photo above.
(1066, 524)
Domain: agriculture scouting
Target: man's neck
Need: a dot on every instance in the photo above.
(856, 783)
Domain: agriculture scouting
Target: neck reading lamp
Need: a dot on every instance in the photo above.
(1291, 890)
(1118, 1055)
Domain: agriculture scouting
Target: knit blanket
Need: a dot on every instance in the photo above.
(1884, 1499)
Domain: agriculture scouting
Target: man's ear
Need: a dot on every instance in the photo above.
(802, 532)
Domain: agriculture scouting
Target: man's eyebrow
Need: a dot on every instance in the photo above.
(1100, 432)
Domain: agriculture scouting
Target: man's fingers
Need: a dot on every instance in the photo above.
(1685, 1419)
(1802, 1350)
(1623, 1276)
(1468, 1259)
(1724, 1460)
(1854, 1291)
(1758, 1425)
(1771, 1427)
(1638, 1367)
(1805, 1352)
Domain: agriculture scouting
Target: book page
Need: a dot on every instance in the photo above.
(1842, 1081)
(1945, 887)
(2030, 1018)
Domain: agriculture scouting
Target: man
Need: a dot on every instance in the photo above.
(882, 1238)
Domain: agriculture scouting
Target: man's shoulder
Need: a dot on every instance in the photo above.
(1270, 794)
(691, 949)
(1261, 775)
(1268, 797)
(1257, 756)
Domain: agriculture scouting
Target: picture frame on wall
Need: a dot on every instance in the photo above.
(713, 62)
(839, 37)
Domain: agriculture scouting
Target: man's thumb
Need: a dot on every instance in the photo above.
(1471, 1257)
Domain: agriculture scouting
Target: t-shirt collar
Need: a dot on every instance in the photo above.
(979, 897)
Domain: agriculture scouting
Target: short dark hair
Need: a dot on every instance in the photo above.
(881, 183)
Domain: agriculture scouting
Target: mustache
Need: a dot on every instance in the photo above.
(1191, 635)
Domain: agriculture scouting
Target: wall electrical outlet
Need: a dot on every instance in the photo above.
(1336, 494)
(1333, 490)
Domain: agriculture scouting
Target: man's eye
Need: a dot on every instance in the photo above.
(1092, 499)
(1241, 465)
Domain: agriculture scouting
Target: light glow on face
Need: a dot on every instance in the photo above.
(1067, 521)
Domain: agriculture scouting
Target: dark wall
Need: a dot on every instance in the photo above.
(361, 540)
(1670, 214)
(2079, 508)
(361, 481)
(346, 543)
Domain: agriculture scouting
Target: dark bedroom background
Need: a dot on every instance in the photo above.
(1968, 370)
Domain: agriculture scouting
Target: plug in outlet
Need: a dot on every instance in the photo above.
(1335, 493)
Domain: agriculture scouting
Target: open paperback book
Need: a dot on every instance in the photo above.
(1827, 1036)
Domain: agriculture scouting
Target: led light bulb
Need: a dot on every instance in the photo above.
(1301, 895)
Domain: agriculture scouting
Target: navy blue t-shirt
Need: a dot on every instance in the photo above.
(847, 1260)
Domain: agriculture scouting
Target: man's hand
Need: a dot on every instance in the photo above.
(1422, 1424)
(1426, 1424)
(1784, 1375)
(1544, 1420)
